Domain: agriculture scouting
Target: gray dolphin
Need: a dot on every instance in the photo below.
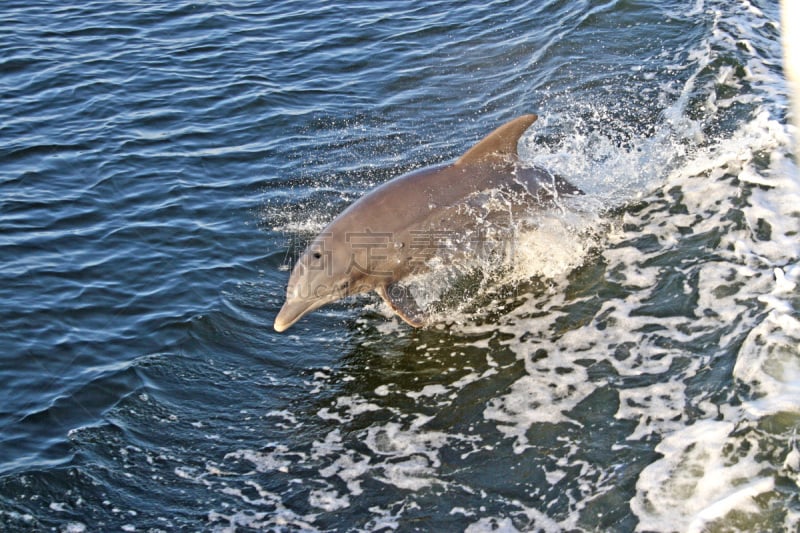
(395, 230)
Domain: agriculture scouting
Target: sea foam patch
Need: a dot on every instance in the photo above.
(653, 364)
(704, 316)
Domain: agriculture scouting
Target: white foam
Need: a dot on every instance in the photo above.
(738, 196)
(347, 408)
(699, 480)
(428, 391)
(769, 362)
(264, 461)
(501, 525)
(747, 268)
(328, 500)
(544, 394)
(553, 248)
(349, 470)
(414, 473)
(657, 408)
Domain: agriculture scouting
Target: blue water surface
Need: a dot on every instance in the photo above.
(161, 163)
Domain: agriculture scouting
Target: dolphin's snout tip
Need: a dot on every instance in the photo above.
(290, 313)
(281, 324)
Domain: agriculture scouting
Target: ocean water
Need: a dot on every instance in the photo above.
(635, 367)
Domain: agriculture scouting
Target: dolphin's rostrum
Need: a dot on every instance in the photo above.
(396, 229)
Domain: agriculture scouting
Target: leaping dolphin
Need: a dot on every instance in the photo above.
(396, 229)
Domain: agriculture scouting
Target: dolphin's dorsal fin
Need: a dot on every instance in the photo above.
(500, 145)
(398, 298)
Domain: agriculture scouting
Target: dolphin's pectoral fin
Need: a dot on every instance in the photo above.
(399, 299)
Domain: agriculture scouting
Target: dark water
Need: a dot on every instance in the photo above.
(162, 163)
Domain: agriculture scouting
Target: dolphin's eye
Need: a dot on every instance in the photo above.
(317, 255)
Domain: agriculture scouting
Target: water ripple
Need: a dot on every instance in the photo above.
(161, 164)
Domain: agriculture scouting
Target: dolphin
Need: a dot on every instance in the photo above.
(398, 228)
